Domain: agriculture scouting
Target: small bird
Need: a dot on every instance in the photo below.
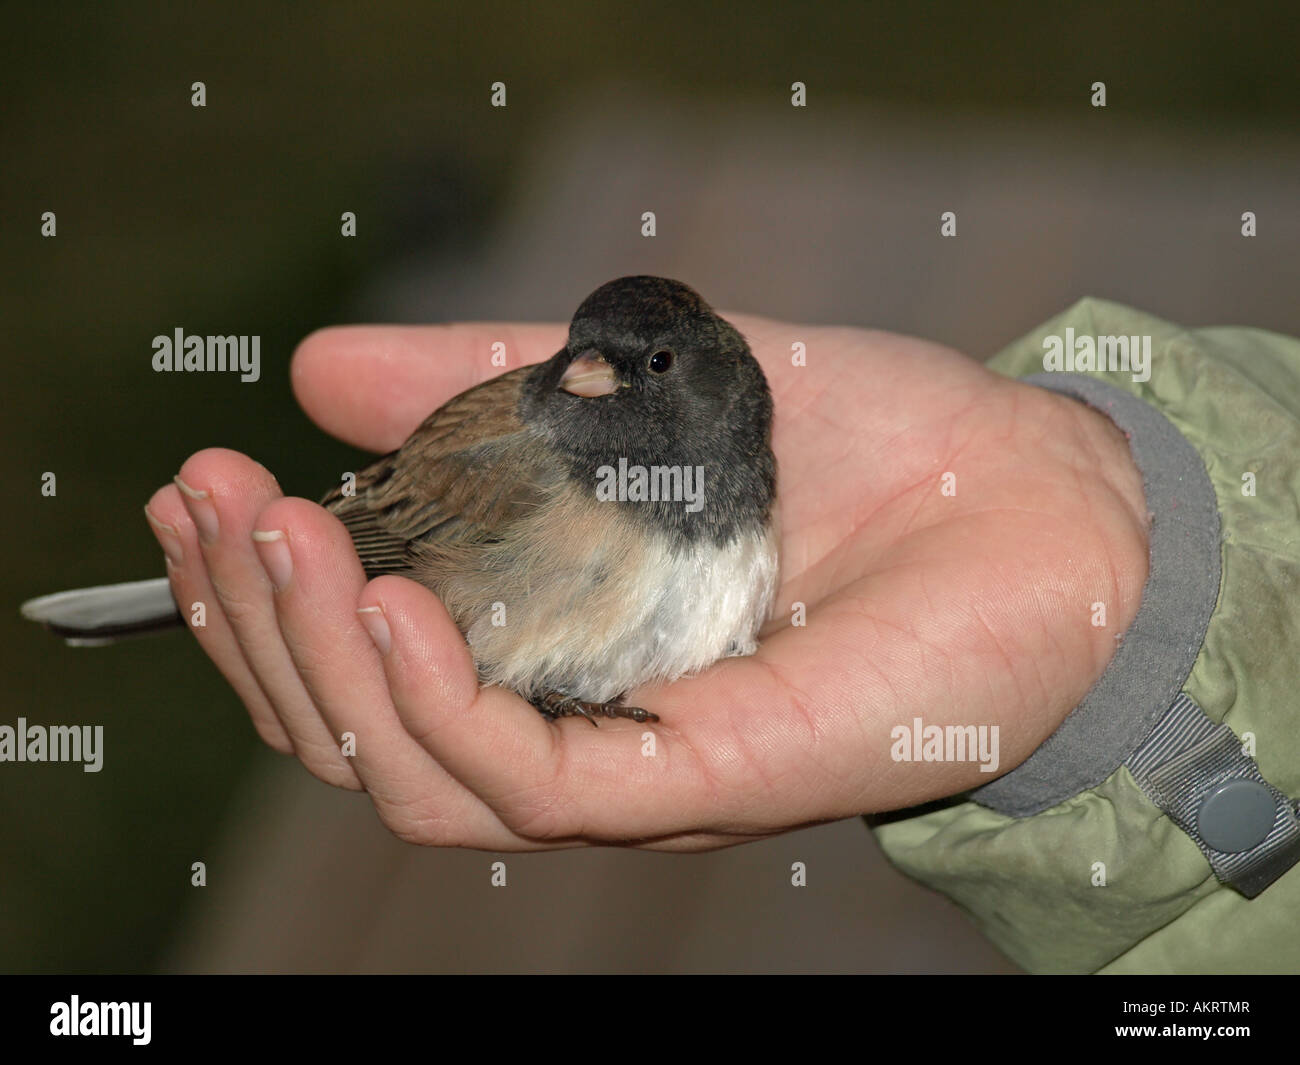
(592, 523)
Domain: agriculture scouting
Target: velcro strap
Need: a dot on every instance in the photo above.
(1199, 775)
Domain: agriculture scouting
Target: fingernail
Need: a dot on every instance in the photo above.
(273, 550)
(372, 617)
(169, 538)
(199, 504)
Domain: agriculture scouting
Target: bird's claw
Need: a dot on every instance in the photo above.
(555, 705)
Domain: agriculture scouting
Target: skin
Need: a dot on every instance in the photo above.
(973, 608)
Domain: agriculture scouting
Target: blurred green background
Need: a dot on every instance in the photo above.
(225, 219)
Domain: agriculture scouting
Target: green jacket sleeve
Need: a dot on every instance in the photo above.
(1157, 830)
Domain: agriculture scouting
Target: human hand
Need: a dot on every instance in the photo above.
(965, 608)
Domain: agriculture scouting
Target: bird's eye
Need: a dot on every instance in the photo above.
(660, 361)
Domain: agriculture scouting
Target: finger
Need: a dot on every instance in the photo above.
(178, 538)
(371, 385)
(223, 492)
(318, 579)
(545, 781)
(778, 734)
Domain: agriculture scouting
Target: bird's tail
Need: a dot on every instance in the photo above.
(87, 617)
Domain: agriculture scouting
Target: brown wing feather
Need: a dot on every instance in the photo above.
(461, 477)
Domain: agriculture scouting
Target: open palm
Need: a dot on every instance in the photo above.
(945, 536)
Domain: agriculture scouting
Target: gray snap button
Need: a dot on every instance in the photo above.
(1236, 816)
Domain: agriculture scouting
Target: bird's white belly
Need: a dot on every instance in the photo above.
(605, 621)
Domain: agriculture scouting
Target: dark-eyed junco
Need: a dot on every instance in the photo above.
(592, 523)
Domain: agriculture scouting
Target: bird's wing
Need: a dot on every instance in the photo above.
(461, 477)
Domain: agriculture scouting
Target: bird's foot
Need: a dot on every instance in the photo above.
(555, 705)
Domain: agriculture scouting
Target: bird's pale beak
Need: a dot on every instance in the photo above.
(589, 375)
